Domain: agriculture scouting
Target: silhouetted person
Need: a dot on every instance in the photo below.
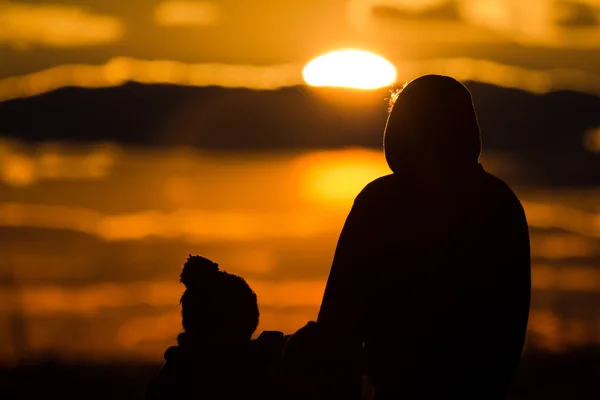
(214, 357)
(432, 268)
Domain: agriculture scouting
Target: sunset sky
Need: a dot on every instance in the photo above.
(154, 148)
(533, 34)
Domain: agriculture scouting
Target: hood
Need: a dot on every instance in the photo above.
(432, 127)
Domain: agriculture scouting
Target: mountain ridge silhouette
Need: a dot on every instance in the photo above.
(297, 117)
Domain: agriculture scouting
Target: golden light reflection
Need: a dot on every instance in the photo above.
(357, 69)
(18, 170)
(137, 330)
(591, 140)
(23, 166)
(567, 278)
(192, 225)
(278, 231)
(544, 328)
(206, 225)
(177, 190)
(550, 215)
(338, 176)
(561, 246)
(285, 305)
(551, 331)
(39, 300)
(49, 216)
(321, 186)
(44, 299)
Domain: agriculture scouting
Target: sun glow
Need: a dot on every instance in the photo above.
(336, 177)
(356, 69)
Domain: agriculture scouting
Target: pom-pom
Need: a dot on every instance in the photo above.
(198, 271)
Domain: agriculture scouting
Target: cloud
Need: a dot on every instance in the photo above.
(537, 22)
(576, 15)
(19, 168)
(194, 225)
(549, 23)
(53, 25)
(186, 13)
(442, 12)
(361, 12)
(122, 69)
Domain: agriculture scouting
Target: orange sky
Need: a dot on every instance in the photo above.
(533, 33)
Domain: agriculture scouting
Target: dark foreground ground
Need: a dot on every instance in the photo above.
(573, 375)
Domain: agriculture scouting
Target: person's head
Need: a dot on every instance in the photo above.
(432, 124)
(216, 305)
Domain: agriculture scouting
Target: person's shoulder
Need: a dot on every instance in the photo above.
(500, 193)
(492, 180)
(378, 187)
(494, 184)
(172, 352)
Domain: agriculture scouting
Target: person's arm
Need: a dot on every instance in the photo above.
(513, 263)
(343, 305)
(519, 285)
(343, 309)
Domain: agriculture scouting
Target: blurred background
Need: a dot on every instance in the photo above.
(135, 133)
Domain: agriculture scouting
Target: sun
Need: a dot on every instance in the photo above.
(356, 69)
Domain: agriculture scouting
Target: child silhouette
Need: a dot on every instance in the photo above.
(214, 357)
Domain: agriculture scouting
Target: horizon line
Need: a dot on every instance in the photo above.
(121, 70)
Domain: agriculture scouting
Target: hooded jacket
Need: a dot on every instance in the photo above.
(432, 267)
